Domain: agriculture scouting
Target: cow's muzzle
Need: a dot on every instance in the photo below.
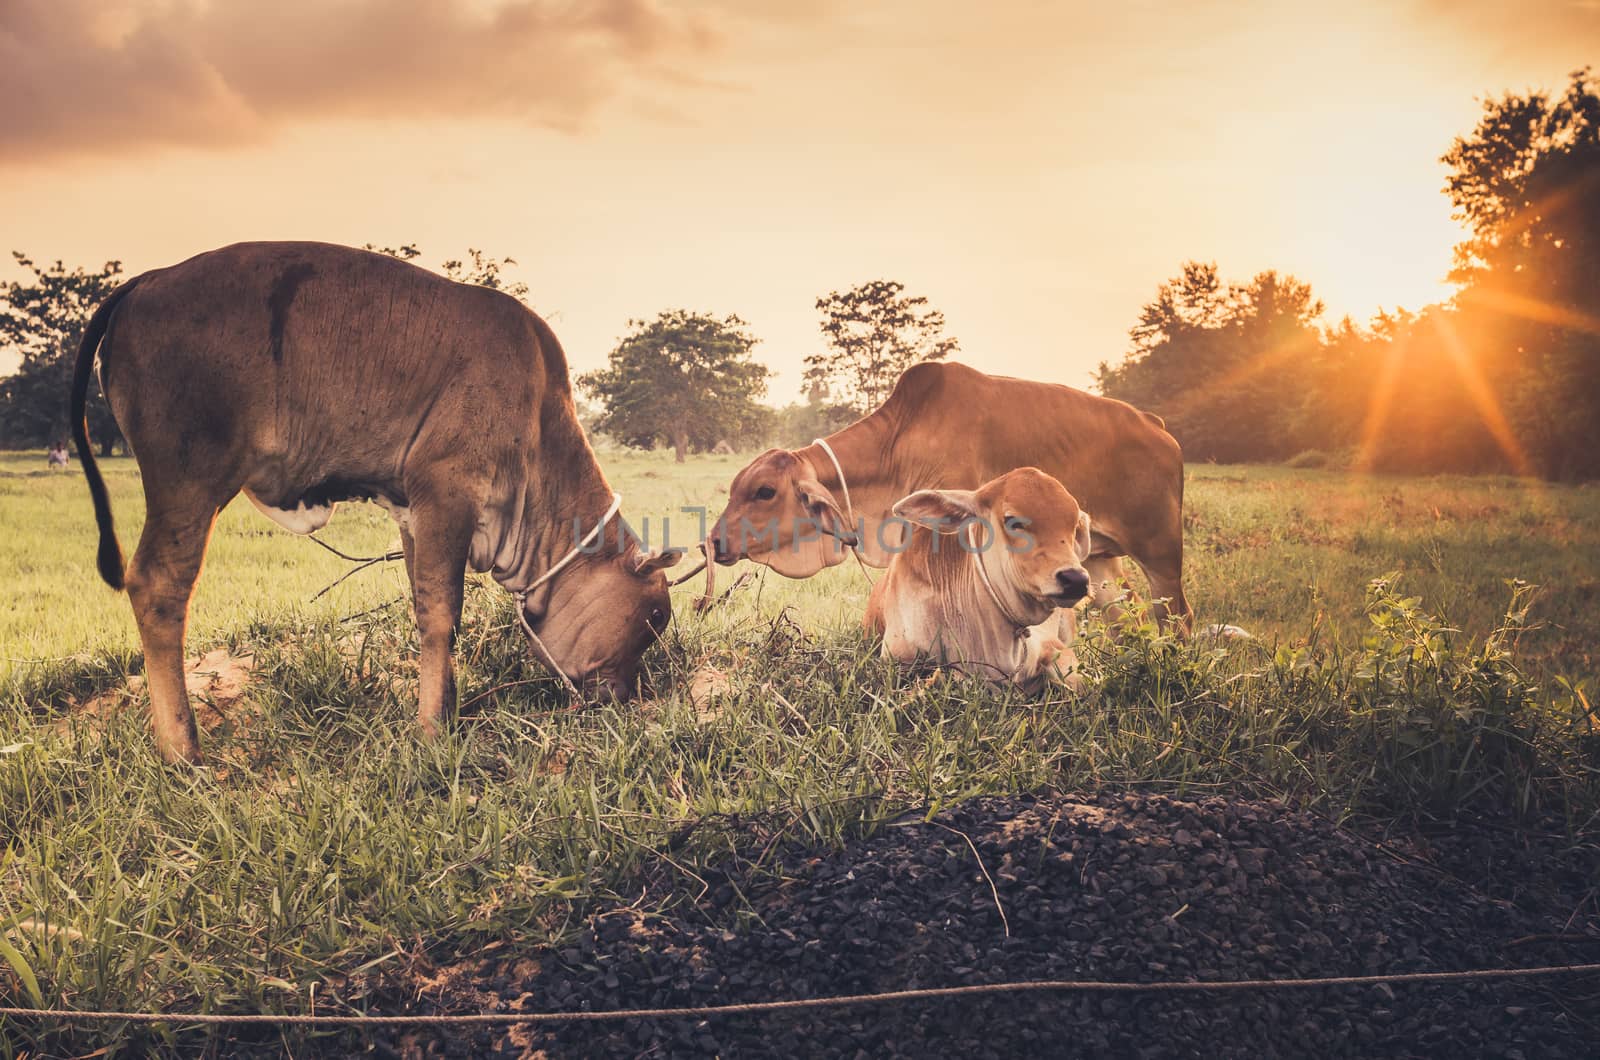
(721, 551)
(1072, 585)
(609, 688)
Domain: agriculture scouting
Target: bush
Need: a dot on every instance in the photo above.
(1309, 458)
(1417, 721)
(1446, 725)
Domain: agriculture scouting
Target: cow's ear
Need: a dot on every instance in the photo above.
(647, 562)
(941, 510)
(1082, 540)
(820, 505)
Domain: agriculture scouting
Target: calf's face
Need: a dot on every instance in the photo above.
(1029, 530)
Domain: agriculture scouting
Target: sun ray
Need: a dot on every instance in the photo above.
(1378, 406)
(1482, 395)
(1243, 373)
(1533, 309)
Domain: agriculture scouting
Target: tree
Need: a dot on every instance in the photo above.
(1396, 393)
(686, 378)
(1527, 183)
(1504, 377)
(1227, 365)
(43, 318)
(797, 424)
(874, 332)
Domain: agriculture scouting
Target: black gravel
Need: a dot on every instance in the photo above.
(1119, 887)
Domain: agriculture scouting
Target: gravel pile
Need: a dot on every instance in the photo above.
(1131, 887)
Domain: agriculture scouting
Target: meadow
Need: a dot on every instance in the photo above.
(1273, 549)
(324, 841)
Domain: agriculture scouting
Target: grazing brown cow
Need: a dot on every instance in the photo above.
(947, 426)
(304, 374)
(979, 584)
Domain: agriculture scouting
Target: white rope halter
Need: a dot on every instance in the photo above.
(849, 509)
(844, 487)
(521, 595)
(1018, 628)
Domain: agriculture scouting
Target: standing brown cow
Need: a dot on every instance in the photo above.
(304, 374)
(948, 426)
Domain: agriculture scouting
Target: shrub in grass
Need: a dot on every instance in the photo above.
(1312, 458)
(1419, 720)
(1448, 722)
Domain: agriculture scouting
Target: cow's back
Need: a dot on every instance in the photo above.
(309, 359)
(975, 427)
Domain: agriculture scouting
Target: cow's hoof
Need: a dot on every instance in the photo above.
(182, 755)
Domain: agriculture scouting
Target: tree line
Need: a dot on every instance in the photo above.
(685, 379)
(1505, 376)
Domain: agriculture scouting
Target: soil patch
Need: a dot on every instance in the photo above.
(1112, 887)
(215, 681)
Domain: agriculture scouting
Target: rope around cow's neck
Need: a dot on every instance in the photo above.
(844, 487)
(1019, 628)
(849, 509)
(521, 595)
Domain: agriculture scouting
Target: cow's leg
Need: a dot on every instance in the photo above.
(160, 582)
(408, 548)
(1160, 556)
(1166, 586)
(1057, 658)
(1157, 547)
(1108, 586)
(441, 536)
(874, 621)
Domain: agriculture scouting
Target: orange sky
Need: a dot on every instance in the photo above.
(1035, 169)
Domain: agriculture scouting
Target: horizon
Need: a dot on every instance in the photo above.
(1036, 175)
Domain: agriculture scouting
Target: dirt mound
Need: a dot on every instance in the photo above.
(215, 682)
(1118, 887)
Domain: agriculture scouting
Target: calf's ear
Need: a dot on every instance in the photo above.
(1082, 539)
(820, 505)
(647, 562)
(941, 510)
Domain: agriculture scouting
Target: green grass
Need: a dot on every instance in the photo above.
(1268, 548)
(325, 838)
(55, 604)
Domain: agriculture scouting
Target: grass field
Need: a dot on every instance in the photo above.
(1271, 549)
(324, 839)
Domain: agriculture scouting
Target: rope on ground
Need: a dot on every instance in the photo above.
(362, 563)
(755, 1007)
(387, 556)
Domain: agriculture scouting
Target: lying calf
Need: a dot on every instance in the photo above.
(980, 581)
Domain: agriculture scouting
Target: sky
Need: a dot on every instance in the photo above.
(1034, 169)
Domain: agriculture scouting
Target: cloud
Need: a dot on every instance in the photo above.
(99, 77)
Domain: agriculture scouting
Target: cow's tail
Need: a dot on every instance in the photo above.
(110, 555)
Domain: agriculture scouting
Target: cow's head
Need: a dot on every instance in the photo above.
(780, 515)
(1030, 535)
(600, 615)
